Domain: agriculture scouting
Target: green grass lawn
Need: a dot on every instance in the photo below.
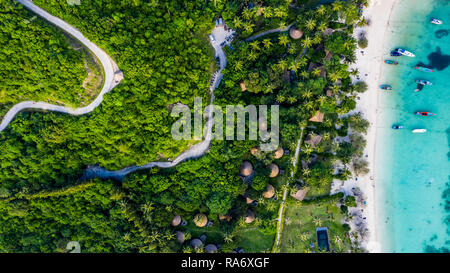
(301, 221)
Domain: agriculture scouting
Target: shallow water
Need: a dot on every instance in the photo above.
(412, 170)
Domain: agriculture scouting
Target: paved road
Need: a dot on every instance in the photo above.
(108, 64)
(268, 32)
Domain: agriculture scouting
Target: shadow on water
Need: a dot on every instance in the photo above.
(437, 60)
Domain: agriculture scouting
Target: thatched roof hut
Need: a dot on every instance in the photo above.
(180, 237)
(249, 200)
(269, 192)
(300, 194)
(313, 140)
(274, 170)
(254, 150)
(176, 221)
(328, 55)
(196, 243)
(246, 168)
(225, 217)
(295, 33)
(200, 220)
(242, 85)
(210, 248)
(279, 153)
(318, 117)
(250, 217)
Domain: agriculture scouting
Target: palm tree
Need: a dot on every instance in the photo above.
(282, 65)
(337, 240)
(308, 149)
(238, 66)
(292, 100)
(316, 72)
(307, 94)
(303, 237)
(254, 45)
(268, 12)
(248, 27)
(252, 56)
(267, 43)
(228, 237)
(294, 66)
(334, 76)
(347, 44)
(337, 6)
(307, 42)
(247, 14)
(321, 10)
(362, 22)
(310, 24)
(326, 136)
(322, 99)
(317, 222)
(283, 40)
(304, 74)
(317, 39)
(237, 22)
(147, 207)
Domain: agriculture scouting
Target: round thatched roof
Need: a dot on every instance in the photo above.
(196, 243)
(254, 150)
(295, 33)
(176, 220)
(250, 217)
(246, 168)
(270, 191)
(225, 217)
(210, 248)
(249, 200)
(279, 153)
(180, 237)
(200, 220)
(274, 170)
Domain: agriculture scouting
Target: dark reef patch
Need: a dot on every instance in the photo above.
(441, 33)
(438, 60)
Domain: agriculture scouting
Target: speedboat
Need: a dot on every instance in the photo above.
(418, 131)
(396, 127)
(425, 114)
(386, 87)
(423, 69)
(436, 21)
(405, 52)
(423, 82)
(390, 62)
(395, 54)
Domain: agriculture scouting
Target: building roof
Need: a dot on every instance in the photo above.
(210, 248)
(274, 170)
(300, 194)
(328, 55)
(242, 85)
(313, 139)
(250, 217)
(254, 150)
(248, 200)
(269, 192)
(176, 220)
(180, 237)
(295, 33)
(318, 117)
(323, 72)
(196, 243)
(328, 31)
(246, 168)
(200, 220)
(279, 153)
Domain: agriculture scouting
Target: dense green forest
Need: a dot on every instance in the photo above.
(37, 62)
(163, 50)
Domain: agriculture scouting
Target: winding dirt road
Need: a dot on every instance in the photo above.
(109, 67)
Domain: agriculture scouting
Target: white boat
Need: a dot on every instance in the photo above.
(418, 131)
(436, 21)
(405, 52)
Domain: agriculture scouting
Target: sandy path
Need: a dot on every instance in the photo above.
(107, 63)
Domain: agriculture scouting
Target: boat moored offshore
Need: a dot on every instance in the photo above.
(419, 131)
(386, 87)
(423, 82)
(436, 21)
(425, 114)
(396, 127)
(390, 62)
(423, 68)
(405, 52)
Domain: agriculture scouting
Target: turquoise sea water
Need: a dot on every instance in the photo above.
(413, 170)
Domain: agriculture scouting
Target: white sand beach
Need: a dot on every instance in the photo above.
(369, 63)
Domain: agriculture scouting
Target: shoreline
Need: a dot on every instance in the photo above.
(370, 63)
